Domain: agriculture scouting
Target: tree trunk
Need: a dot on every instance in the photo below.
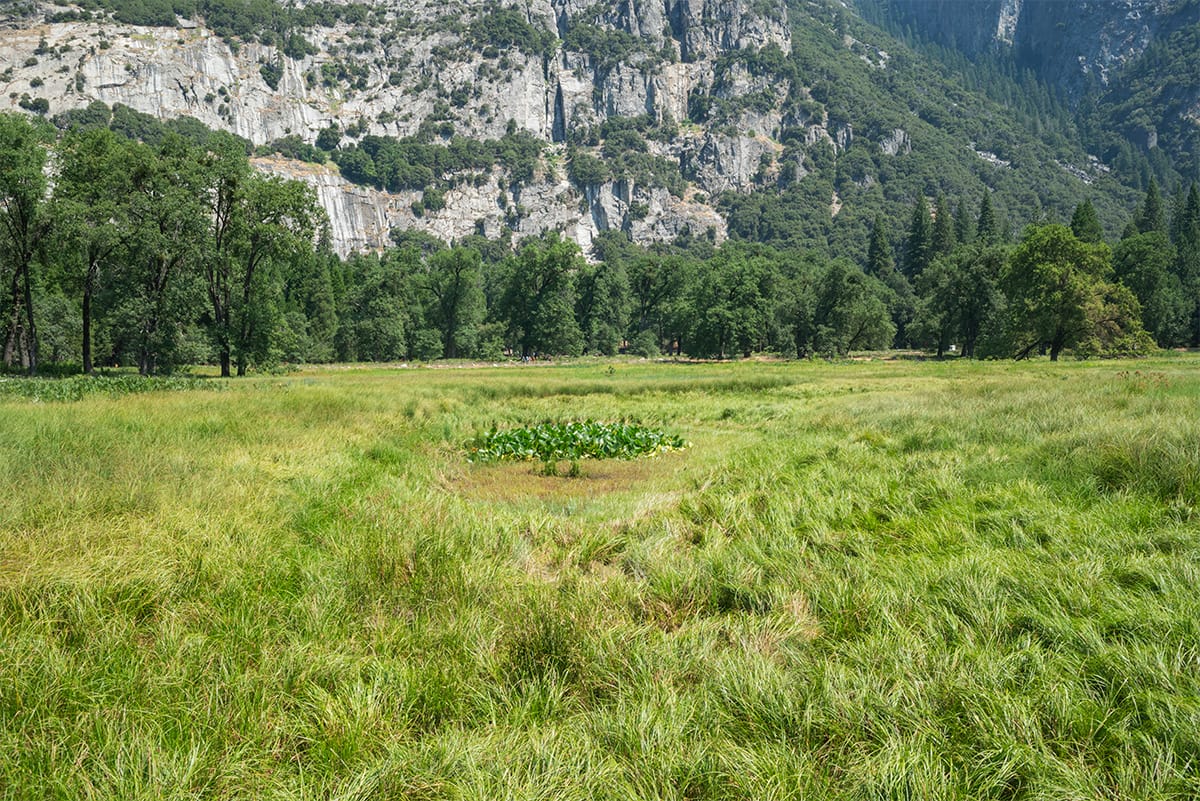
(1025, 353)
(1057, 344)
(225, 362)
(88, 368)
(12, 342)
(31, 347)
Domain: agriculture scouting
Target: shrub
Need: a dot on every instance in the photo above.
(271, 74)
(645, 344)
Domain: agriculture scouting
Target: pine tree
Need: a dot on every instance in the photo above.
(918, 248)
(1186, 215)
(1085, 224)
(1186, 238)
(964, 226)
(879, 251)
(943, 229)
(987, 229)
(1178, 213)
(1150, 216)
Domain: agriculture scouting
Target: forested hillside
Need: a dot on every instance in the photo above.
(1122, 76)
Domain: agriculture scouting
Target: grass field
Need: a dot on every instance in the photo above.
(879, 580)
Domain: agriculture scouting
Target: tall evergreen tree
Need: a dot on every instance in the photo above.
(1143, 263)
(879, 251)
(1186, 220)
(310, 290)
(1085, 224)
(1150, 216)
(987, 227)
(964, 226)
(918, 247)
(901, 301)
(1186, 238)
(943, 238)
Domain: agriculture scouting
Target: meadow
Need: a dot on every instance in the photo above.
(873, 580)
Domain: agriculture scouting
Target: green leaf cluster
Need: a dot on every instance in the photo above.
(576, 440)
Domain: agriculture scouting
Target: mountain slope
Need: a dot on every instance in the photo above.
(1127, 69)
(792, 123)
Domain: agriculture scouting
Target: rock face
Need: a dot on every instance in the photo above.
(896, 142)
(362, 218)
(417, 63)
(1100, 37)
(1068, 42)
(1124, 60)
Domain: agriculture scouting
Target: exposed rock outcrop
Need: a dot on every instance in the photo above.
(896, 143)
(362, 218)
(1068, 42)
(411, 66)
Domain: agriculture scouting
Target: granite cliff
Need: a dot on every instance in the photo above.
(1068, 42)
(397, 68)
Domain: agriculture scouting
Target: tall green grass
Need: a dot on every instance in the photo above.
(868, 581)
(77, 387)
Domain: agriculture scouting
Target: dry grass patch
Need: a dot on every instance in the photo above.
(520, 483)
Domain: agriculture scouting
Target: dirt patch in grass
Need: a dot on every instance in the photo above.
(524, 481)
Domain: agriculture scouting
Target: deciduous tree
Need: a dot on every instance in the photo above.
(92, 214)
(1060, 296)
(254, 221)
(730, 302)
(1143, 263)
(23, 225)
(539, 297)
(454, 283)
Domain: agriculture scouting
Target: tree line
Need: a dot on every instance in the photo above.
(1061, 286)
(118, 252)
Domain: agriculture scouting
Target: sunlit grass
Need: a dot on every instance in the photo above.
(877, 580)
